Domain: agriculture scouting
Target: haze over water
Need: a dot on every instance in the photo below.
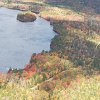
(19, 40)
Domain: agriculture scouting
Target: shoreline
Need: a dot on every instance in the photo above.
(5, 72)
(51, 20)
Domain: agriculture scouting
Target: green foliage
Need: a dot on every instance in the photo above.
(96, 63)
(8, 1)
(15, 71)
(79, 62)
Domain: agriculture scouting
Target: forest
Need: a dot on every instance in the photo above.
(70, 70)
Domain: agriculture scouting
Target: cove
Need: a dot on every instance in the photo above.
(18, 41)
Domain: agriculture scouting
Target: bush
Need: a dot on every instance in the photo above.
(96, 63)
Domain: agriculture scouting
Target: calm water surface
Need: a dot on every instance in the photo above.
(19, 40)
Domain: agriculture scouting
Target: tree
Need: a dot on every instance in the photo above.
(8, 1)
(89, 19)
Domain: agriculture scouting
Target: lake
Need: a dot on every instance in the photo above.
(18, 41)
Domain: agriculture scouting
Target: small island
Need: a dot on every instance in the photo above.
(26, 17)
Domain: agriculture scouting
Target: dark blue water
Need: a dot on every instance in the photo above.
(19, 40)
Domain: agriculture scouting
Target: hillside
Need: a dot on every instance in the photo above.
(71, 69)
(74, 4)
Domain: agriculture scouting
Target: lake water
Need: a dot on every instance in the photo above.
(19, 40)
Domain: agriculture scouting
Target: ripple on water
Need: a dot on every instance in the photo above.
(19, 40)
